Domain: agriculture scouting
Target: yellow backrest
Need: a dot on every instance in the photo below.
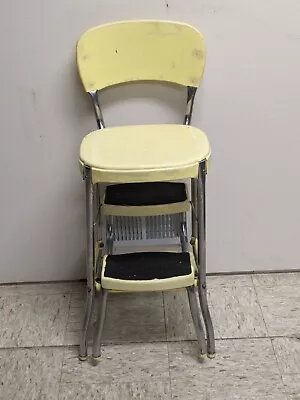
(140, 50)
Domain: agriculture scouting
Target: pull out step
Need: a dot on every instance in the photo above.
(148, 271)
(149, 198)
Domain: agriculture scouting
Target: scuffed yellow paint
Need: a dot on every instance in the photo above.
(140, 50)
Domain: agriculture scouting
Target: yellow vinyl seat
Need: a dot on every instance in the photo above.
(144, 153)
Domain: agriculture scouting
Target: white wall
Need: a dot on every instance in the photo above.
(248, 105)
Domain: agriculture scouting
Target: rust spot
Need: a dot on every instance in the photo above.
(198, 53)
(85, 57)
(116, 51)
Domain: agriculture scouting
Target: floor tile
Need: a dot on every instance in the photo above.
(178, 316)
(135, 317)
(292, 386)
(33, 320)
(243, 369)
(251, 356)
(36, 289)
(75, 318)
(277, 279)
(129, 318)
(281, 309)
(127, 391)
(79, 286)
(287, 351)
(235, 312)
(119, 363)
(229, 387)
(229, 280)
(30, 373)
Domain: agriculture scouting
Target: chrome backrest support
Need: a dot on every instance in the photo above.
(97, 110)
(191, 93)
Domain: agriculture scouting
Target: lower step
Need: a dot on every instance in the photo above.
(148, 271)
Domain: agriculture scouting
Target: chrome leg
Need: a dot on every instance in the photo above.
(98, 238)
(194, 241)
(89, 264)
(96, 353)
(97, 214)
(183, 232)
(100, 324)
(109, 235)
(191, 291)
(201, 216)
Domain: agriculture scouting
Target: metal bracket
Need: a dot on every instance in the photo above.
(184, 231)
(203, 167)
(191, 92)
(97, 109)
(86, 171)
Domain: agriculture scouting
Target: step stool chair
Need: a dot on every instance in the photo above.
(139, 164)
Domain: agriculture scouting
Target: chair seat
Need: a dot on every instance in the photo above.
(144, 199)
(144, 153)
(148, 271)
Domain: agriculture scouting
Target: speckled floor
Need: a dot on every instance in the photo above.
(149, 351)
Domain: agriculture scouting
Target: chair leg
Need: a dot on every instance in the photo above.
(194, 204)
(96, 352)
(99, 244)
(191, 291)
(100, 324)
(211, 347)
(201, 216)
(89, 264)
(109, 235)
(183, 232)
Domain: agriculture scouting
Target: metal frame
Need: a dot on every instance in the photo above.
(90, 262)
(192, 296)
(97, 110)
(199, 205)
(198, 241)
(191, 93)
(96, 350)
(195, 312)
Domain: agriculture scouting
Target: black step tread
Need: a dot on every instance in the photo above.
(145, 194)
(147, 265)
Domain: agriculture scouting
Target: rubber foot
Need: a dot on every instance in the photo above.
(202, 357)
(82, 358)
(211, 355)
(95, 360)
